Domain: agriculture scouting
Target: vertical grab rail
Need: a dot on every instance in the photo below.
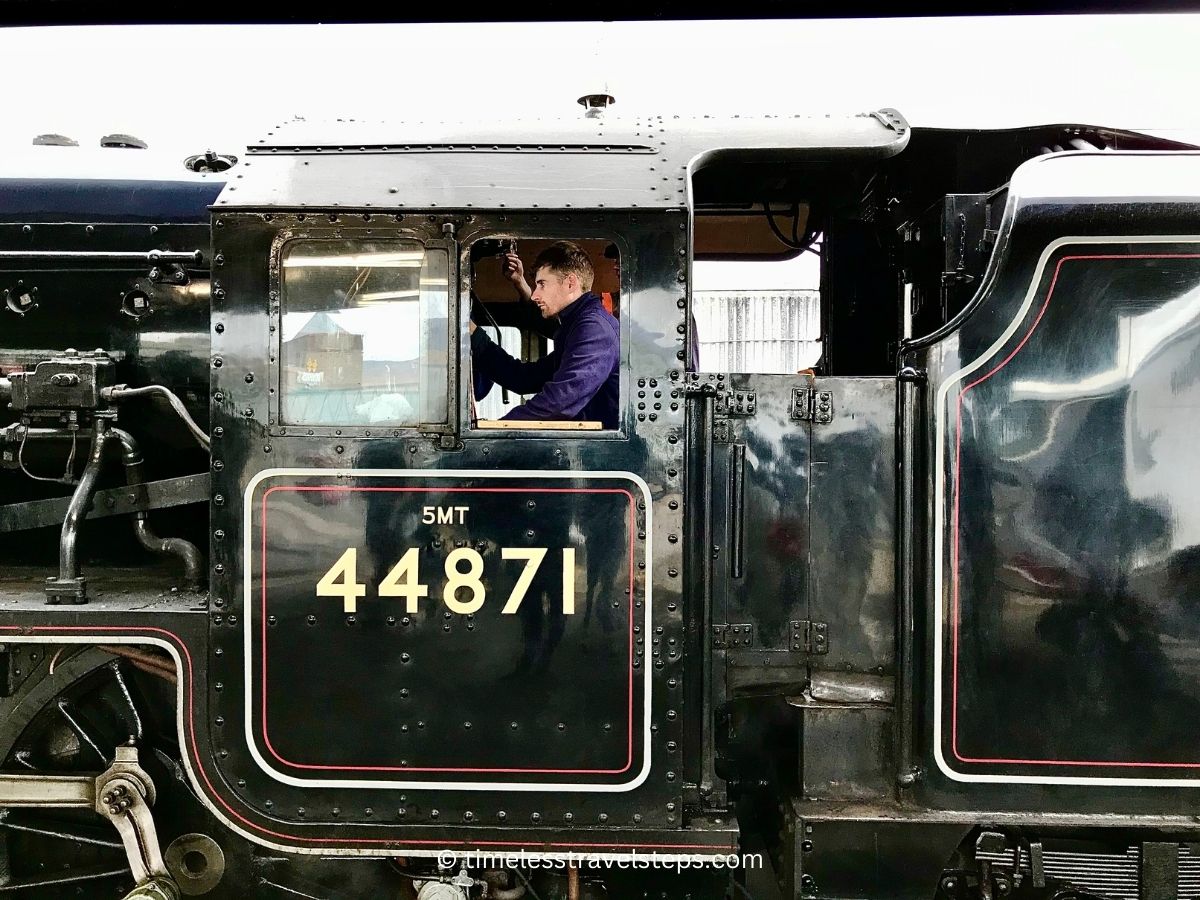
(698, 520)
(737, 510)
(909, 395)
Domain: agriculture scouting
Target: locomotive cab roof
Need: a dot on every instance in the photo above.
(600, 163)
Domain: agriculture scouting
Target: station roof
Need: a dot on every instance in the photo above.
(579, 163)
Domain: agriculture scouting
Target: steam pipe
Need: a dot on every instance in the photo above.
(81, 500)
(124, 393)
(131, 459)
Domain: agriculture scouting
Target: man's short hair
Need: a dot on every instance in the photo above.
(564, 258)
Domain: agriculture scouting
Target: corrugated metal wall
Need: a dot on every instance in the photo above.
(774, 332)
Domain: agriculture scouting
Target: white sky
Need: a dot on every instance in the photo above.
(227, 83)
(185, 89)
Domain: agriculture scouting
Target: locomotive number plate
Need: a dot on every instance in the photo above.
(466, 630)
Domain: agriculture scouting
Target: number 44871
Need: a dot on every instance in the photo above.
(404, 580)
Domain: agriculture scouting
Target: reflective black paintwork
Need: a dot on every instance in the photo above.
(1063, 561)
(649, 445)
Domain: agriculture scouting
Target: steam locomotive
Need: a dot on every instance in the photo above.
(287, 611)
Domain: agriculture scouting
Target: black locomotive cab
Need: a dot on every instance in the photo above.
(480, 548)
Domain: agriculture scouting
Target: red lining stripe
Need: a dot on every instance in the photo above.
(396, 844)
(954, 555)
(456, 490)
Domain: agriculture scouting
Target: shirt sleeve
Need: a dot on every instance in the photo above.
(583, 369)
(493, 364)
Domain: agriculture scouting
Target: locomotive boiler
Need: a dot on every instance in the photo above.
(286, 610)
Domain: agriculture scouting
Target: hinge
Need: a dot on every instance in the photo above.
(809, 405)
(737, 403)
(727, 401)
(726, 637)
(809, 637)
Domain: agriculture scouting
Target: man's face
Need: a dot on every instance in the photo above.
(553, 292)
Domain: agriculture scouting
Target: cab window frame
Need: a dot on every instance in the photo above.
(333, 233)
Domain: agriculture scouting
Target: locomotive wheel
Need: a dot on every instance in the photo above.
(69, 704)
(67, 708)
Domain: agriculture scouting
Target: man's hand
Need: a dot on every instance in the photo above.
(471, 325)
(514, 271)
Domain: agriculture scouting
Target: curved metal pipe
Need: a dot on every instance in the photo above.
(131, 459)
(124, 393)
(68, 560)
(999, 255)
(185, 550)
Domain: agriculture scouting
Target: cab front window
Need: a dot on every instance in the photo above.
(364, 333)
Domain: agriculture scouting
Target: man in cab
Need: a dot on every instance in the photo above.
(580, 379)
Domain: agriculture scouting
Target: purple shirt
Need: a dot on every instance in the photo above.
(579, 380)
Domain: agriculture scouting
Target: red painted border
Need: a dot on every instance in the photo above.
(449, 490)
(395, 844)
(954, 559)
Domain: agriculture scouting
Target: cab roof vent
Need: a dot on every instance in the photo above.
(595, 104)
(127, 141)
(54, 140)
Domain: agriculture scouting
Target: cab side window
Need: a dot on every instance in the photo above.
(545, 343)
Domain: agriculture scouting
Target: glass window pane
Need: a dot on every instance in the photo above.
(364, 333)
